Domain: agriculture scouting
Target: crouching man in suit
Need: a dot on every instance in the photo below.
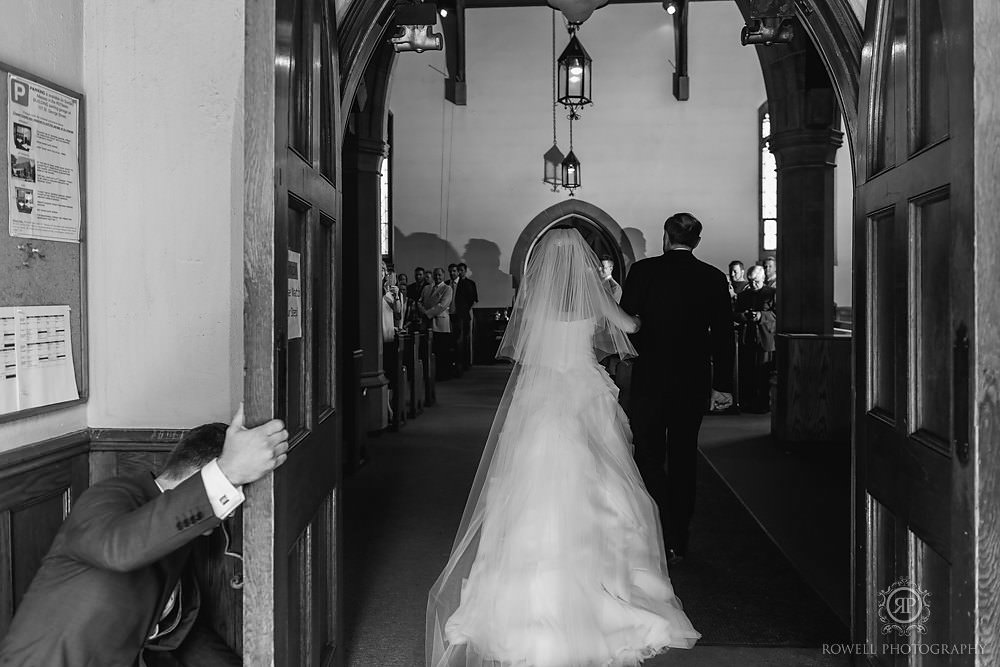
(114, 589)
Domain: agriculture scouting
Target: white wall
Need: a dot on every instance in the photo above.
(468, 179)
(45, 39)
(165, 172)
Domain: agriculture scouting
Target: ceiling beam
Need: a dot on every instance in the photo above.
(485, 4)
(453, 27)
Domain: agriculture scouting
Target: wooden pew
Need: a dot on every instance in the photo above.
(415, 374)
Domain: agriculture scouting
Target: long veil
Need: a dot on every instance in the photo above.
(561, 286)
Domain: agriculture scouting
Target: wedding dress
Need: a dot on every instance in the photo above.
(559, 561)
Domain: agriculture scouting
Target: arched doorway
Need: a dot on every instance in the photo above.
(598, 229)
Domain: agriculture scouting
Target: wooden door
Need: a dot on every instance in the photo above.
(291, 596)
(922, 328)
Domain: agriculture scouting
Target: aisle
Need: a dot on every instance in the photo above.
(402, 510)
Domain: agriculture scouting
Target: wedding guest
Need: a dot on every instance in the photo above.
(117, 587)
(392, 319)
(756, 317)
(737, 278)
(607, 275)
(434, 303)
(465, 297)
(771, 272)
(414, 289)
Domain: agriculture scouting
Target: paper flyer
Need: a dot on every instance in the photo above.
(294, 296)
(43, 141)
(36, 353)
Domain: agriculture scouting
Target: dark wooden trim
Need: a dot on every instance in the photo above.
(127, 439)
(44, 453)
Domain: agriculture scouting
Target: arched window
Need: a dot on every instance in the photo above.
(768, 230)
(385, 224)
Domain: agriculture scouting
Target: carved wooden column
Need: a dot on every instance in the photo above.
(362, 263)
(806, 159)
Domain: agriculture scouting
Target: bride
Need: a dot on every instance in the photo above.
(559, 561)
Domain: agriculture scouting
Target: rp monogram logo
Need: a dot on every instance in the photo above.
(903, 608)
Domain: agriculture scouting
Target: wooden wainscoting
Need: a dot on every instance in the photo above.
(813, 401)
(38, 485)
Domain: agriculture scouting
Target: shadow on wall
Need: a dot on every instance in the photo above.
(421, 249)
(638, 241)
(494, 286)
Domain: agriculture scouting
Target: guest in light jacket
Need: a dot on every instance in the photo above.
(434, 304)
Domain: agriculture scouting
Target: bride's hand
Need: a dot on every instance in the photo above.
(637, 323)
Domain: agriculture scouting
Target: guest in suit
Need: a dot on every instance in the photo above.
(115, 588)
(771, 272)
(416, 288)
(434, 304)
(737, 278)
(756, 317)
(607, 275)
(686, 328)
(465, 297)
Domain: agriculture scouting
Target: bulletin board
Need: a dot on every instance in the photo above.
(35, 268)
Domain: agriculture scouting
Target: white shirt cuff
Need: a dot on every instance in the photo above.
(225, 497)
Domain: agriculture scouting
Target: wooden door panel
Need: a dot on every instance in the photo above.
(914, 261)
(931, 216)
(930, 71)
(292, 552)
(883, 297)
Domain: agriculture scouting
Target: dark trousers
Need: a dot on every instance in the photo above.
(755, 366)
(443, 352)
(461, 329)
(665, 422)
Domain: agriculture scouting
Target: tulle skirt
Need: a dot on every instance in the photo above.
(559, 561)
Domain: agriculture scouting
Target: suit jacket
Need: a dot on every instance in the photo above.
(759, 334)
(105, 580)
(686, 326)
(436, 299)
(466, 296)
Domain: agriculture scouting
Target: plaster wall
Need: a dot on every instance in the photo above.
(467, 180)
(165, 123)
(44, 39)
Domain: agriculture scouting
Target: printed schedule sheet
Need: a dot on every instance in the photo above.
(36, 355)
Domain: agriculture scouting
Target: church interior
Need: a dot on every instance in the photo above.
(851, 142)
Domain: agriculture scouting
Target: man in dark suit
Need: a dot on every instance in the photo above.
(686, 329)
(466, 296)
(115, 589)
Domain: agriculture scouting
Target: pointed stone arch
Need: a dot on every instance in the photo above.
(570, 211)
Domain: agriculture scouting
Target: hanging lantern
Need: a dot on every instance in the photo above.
(553, 165)
(571, 172)
(574, 74)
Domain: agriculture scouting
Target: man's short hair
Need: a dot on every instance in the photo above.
(419, 268)
(683, 229)
(735, 262)
(463, 265)
(755, 270)
(452, 266)
(198, 447)
(607, 258)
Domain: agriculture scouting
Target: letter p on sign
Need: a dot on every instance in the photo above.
(19, 92)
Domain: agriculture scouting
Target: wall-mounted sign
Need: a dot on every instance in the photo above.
(43, 141)
(294, 296)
